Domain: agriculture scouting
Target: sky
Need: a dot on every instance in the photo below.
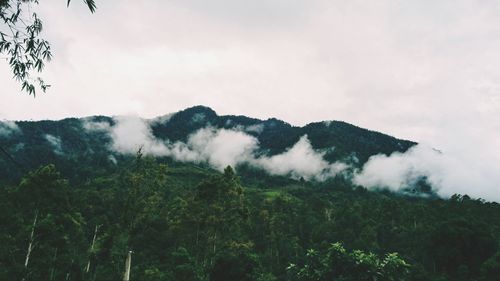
(427, 71)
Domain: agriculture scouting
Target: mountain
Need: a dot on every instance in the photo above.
(73, 148)
(184, 215)
(276, 135)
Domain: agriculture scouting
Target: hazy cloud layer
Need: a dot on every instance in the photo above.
(222, 147)
(470, 171)
(94, 126)
(448, 172)
(8, 128)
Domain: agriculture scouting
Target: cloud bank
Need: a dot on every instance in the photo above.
(220, 148)
(459, 170)
(467, 172)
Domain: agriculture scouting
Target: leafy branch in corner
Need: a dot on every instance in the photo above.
(21, 42)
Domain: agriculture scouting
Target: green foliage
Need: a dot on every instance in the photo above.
(490, 269)
(42, 206)
(336, 263)
(461, 245)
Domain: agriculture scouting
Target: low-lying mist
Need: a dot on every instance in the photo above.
(447, 173)
(8, 128)
(219, 148)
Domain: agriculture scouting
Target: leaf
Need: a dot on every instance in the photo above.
(91, 4)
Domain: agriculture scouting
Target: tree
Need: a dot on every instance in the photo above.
(21, 41)
(337, 263)
(490, 270)
(53, 228)
(218, 212)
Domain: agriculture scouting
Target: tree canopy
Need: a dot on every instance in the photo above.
(187, 223)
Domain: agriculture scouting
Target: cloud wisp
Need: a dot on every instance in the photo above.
(94, 126)
(55, 142)
(8, 128)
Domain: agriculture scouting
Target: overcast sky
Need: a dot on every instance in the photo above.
(423, 70)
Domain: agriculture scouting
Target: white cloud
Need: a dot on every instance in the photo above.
(8, 128)
(130, 134)
(301, 160)
(469, 172)
(218, 148)
(399, 170)
(223, 147)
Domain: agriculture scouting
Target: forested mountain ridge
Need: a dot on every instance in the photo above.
(277, 135)
(185, 220)
(70, 146)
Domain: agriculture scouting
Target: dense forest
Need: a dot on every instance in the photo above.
(77, 216)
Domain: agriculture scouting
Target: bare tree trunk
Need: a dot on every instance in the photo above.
(128, 262)
(197, 233)
(197, 243)
(53, 270)
(214, 249)
(32, 239)
(92, 248)
(30, 245)
(215, 242)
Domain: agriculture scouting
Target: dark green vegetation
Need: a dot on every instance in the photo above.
(189, 222)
